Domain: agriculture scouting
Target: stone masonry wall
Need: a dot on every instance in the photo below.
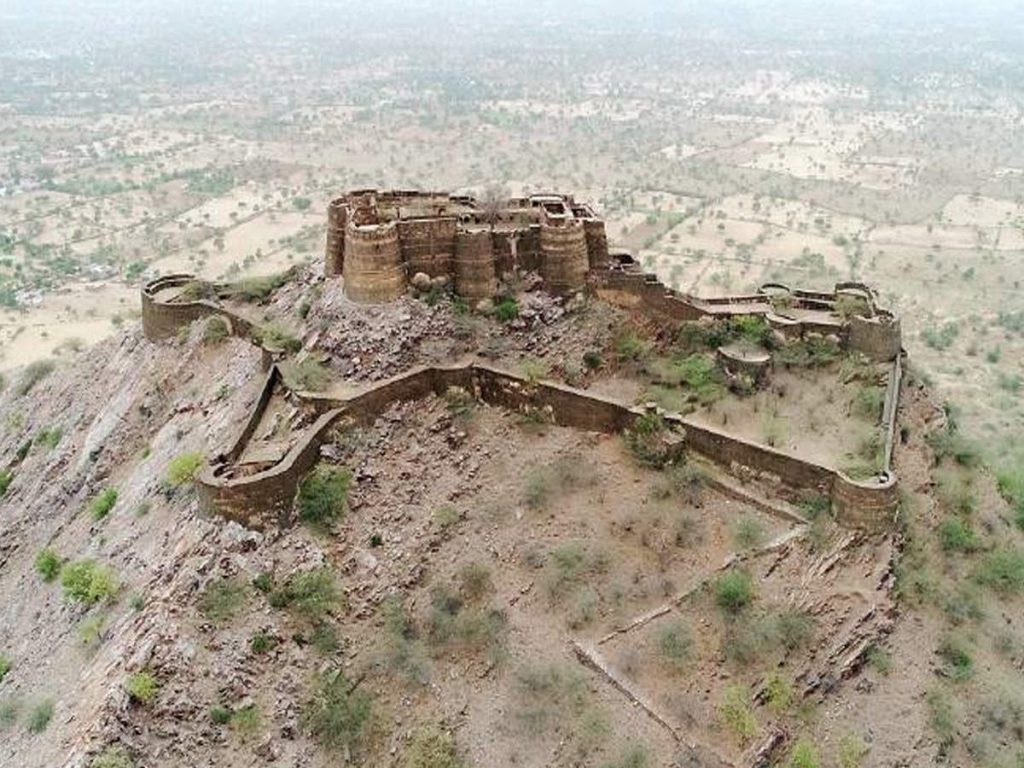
(474, 265)
(374, 272)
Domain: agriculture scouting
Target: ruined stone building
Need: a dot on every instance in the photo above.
(380, 240)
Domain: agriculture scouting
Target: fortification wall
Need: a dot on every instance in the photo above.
(879, 337)
(564, 262)
(337, 219)
(265, 498)
(474, 265)
(161, 320)
(528, 249)
(428, 245)
(373, 269)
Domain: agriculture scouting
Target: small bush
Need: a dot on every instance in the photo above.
(86, 581)
(245, 722)
(100, 506)
(956, 535)
(90, 631)
(645, 440)
(39, 717)
(5, 667)
(794, 628)
(323, 495)
(306, 376)
(337, 713)
(215, 330)
(49, 437)
(311, 594)
(733, 591)
(459, 400)
(48, 564)
(183, 468)
(852, 751)
(778, 694)
(808, 353)
(430, 747)
(32, 375)
(803, 755)
(736, 714)
(631, 347)
(941, 718)
(10, 709)
(675, 643)
(113, 756)
(748, 533)
(957, 662)
(220, 715)
(255, 290)
(1003, 571)
(447, 516)
(142, 687)
(262, 643)
(276, 337)
(222, 600)
(506, 309)
(6, 478)
(475, 582)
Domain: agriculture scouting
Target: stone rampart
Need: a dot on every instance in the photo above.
(428, 245)
(337, 219)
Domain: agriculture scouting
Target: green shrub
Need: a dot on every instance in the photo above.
(220, 715)
(630, 346)
(697, 374)
(142, 687)
(6, 478)
(222, 600)
(337, 713)
(645, 440)
(34, 373)
(49, 437)
(215, 330)
(808, 353)
(10, 709)
(941, 718)
(306, 376)
(957, 662)
(5, 667)
(793, 628)
(39, 717)
(246, 721)
(956, 535)
(48, 564)
(867, 403)
(90, 631)
(262, 643)
(852, 751)
(803, 755)
(847, 306)
(949, 443)
(311, 594)
(101, 505)
(430, 747)
(86, 581)
(113, 756)
(1003, 571)
(736, 714)
(778, 694)
(675, 643)
(183, 468)
(506, 309)
(255, 290)
(733, 591)
(323, 495)
(748, 533)
(446, 516)
(548, 696)
(276, 337)
(634, 756)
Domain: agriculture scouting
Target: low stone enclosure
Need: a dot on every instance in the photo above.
(262, 496)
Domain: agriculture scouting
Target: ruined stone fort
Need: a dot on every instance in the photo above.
(379, 241)
(382, 245)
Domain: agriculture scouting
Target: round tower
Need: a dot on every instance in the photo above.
(564, 260)
(474, 265)
(373, 267)
(337, 217)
